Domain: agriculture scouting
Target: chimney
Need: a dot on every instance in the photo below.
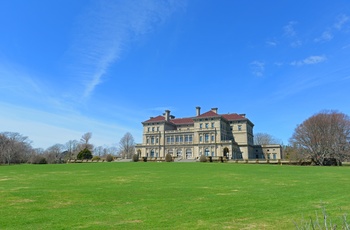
(242, 114)
(198, 111)
(166, 116)
(215, 110)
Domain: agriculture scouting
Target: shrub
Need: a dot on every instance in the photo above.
(203, 158)
(38, 160)
(84, 154)
(168, 157)
(96, 158)
(135, 157)
(109, 158)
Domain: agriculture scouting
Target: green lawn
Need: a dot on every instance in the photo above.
(169, 195)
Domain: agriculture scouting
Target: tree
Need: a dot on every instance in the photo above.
(72, 147)
(84, 154)
(37, 156)
(265, 139)
(324, 135)
(98, 151)
(127, 146)
(292, 153)
(54, 154)
(14, 148)
(85, 141)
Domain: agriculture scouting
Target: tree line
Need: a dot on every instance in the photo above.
(322, 139)
(16, 148)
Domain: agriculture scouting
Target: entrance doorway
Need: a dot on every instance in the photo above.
(226, 152)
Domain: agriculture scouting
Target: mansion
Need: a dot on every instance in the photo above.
(212, 134)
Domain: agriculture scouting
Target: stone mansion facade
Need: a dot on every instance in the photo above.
(212, 134)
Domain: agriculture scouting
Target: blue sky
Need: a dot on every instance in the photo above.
(104, 66)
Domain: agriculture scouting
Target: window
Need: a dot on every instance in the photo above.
(157, 128)
(200, 125)
(168, 139)
(152, 140)
(152, 129)
(177, 139)
(239, 127)
(181, 138)
(206, 125)
(207, 152)
(206, 137)
(147, 141)
(148, 129)
(186, 139)
(200, 138)
(212, 124)
(212, 137)
(188, 153)
(190, 138)
(179, 153)
(157, 140)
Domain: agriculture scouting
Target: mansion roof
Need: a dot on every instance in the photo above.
(190, 120)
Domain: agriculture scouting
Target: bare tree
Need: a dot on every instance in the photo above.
(14, 148)
(292, 153)
(98, 151)
(55, 153)
(265, 139)
(72, 147)
(111, 150)
(127, 146)
(37, 156)
(85, 141)
(324, 135)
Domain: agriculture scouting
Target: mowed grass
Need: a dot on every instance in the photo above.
(169, 195)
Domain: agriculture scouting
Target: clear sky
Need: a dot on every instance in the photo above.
(104, 66)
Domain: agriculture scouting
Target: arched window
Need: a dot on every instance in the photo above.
(179, 153)
(188, 153)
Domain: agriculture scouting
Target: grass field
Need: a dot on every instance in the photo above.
(169, 195)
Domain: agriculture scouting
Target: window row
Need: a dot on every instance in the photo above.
(206, 137)
(153, 129)
(152, 140)
(206, 125)
(179, 139)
